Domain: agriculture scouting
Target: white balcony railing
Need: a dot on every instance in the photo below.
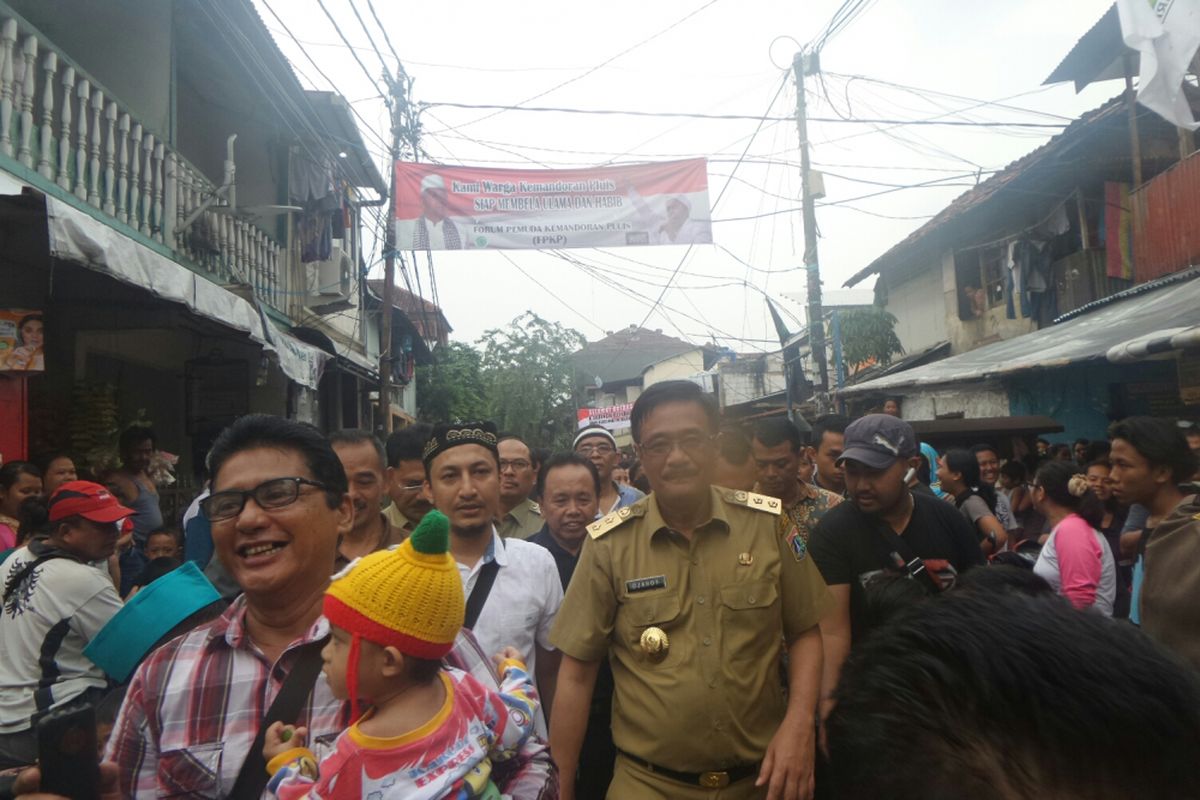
(56, 120)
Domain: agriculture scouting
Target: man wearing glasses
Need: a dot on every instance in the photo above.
(192, 712)
(691, 594)
(519, 516)
(406, 477)
(598, 445)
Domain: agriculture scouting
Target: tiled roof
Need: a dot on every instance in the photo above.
(622, 355)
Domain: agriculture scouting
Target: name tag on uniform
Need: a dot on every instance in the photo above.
(646, 584)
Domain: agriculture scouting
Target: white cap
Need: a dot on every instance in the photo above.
(594, 430)
(432, 181)
(682, 199)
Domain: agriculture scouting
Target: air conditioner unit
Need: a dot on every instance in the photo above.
(330, 281)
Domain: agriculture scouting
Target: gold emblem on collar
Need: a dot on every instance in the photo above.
(745, 559)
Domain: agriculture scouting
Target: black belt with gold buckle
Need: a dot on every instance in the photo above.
(712, 779)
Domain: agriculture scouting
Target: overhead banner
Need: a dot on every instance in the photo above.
(480, 208)
(615, 418)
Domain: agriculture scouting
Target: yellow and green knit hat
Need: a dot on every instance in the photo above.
(410, 597)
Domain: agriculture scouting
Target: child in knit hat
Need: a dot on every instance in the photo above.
(431, 731)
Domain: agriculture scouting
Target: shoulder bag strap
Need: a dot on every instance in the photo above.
(913, 564)
(296, 688)
(479, 594)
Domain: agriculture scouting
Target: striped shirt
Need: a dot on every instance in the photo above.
(194, 707)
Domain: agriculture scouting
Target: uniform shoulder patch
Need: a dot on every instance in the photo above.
(616, 519)
(758, 502)
(535, 508)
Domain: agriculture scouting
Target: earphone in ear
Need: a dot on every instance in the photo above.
(912, 473)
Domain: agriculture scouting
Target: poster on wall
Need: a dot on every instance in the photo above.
(440, 207)
(22, 333)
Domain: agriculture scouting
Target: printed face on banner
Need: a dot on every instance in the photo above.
(479, 208)
(615, 418)
(22, 334)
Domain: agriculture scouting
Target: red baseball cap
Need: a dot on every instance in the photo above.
(88, 500)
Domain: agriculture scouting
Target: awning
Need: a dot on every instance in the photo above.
(78, 237)
(1173, 302)
(1160, 341)
(928, 429)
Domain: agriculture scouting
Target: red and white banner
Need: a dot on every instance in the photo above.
(615, 418)
(480, 208)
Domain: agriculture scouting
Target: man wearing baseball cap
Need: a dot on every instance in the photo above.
(54, 603)
(884, 528)
(596, 443)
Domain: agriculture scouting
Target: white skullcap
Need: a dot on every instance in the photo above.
(432, 181)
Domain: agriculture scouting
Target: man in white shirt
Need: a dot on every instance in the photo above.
(511, 585)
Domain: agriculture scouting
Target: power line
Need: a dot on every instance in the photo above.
(919, 91)
(337, 28)
(736, 117)
(548, 291)
(847, 13)
(371, 39)
(368, 130)
(720, 195)
(601, 65)
(387, 39)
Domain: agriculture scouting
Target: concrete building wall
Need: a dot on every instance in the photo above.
(749, 379)
(966, 335)
(972, 401)
(680, 367)
(920, 309)
(137, 70)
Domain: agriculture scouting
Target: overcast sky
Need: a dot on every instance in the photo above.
(720, 60)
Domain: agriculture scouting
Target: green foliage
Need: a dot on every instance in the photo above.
(520, 376)
(869, 334)
(530, 379)
(452, 388)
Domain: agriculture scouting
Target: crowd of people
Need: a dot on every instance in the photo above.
(724, 610)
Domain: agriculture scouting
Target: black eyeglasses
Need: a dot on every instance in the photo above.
(272, 494)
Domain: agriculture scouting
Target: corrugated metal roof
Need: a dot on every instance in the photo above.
(1097, 56)
(1172, 302)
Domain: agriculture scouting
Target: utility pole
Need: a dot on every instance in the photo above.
(806, 64)
(399, 97)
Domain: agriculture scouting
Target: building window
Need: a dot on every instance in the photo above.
(980, 278)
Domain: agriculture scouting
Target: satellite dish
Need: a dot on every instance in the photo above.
(598, 382)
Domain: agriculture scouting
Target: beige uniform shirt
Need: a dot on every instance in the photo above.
(397, 520)
(522, 522)
(727, 601)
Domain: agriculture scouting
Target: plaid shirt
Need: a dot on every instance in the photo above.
(194, 706)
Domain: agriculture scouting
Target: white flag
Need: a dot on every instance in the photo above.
(1166, 33)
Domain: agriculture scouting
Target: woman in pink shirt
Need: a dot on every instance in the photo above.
(19, 480)
(1075, 560)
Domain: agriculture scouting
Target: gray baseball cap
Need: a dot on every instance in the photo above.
(878, 440)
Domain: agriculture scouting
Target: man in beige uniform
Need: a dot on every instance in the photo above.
(519, 516)
(694, 594)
